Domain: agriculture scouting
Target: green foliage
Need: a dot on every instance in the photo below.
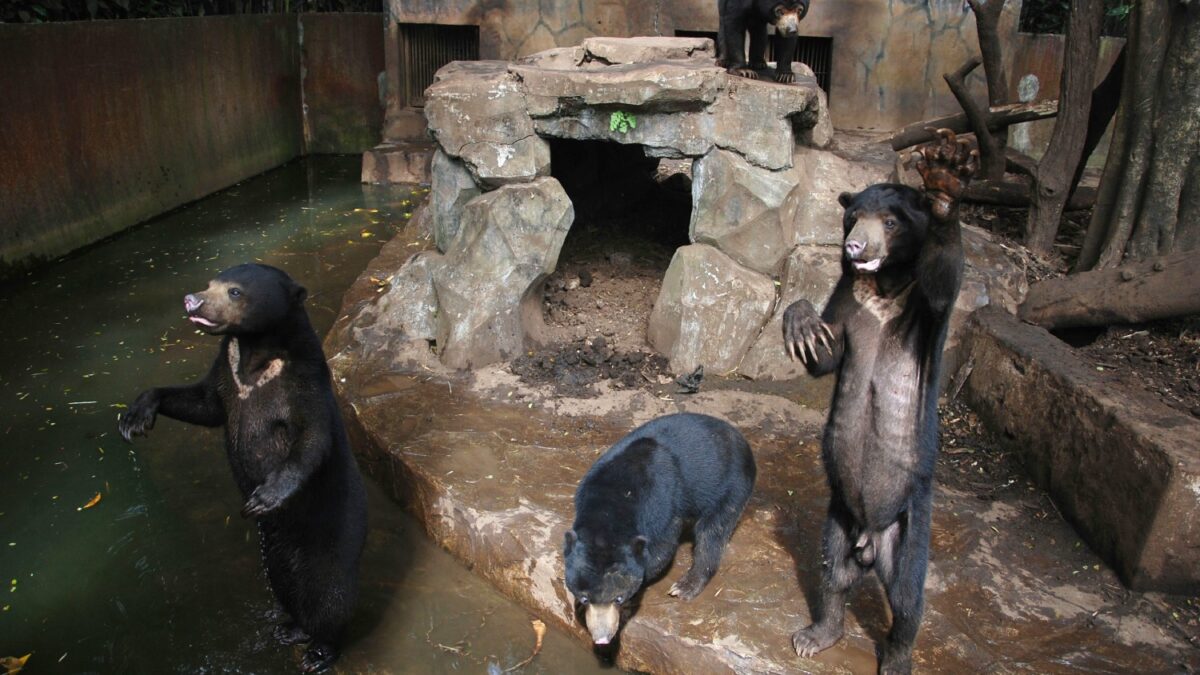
(621, 122)
(39, 11)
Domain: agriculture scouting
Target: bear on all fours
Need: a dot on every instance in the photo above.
(634, 503)
(737, 17)
(882, 331)
(270, 388)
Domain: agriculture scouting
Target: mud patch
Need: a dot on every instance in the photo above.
(1162, 357)
(572, 368)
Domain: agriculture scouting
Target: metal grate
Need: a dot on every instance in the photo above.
(815, 52)
(425, 47)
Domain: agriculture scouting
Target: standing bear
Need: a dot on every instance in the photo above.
(270, 388)
(739, 16)
(882, 331)
(632, 506)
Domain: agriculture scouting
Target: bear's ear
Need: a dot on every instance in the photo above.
(568, 542)
(845, 198)
(639, 546)
(299, 294)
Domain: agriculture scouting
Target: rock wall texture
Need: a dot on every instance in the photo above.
(887, 57)
(765, 224)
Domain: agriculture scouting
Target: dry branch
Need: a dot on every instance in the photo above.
(1136, 292)
(999, 117)
(991, 146)
(1017, 194)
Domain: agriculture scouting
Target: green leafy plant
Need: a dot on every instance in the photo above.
(621, 122)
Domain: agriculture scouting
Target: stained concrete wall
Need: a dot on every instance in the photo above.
(105, 124)
(888, 55)
(342, 66)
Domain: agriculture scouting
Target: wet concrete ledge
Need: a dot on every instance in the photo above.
(1121, 466)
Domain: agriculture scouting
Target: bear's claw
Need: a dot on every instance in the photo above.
(803, 330)
(946, 167)
(139, 418)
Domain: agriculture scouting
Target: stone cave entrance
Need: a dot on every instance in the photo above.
(631, 213)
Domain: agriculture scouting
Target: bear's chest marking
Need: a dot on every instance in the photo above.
(883, 308)
(272, 371)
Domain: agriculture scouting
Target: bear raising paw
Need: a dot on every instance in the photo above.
(270, 388)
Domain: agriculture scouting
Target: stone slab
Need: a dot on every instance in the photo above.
(394, 163)
(1121, 466)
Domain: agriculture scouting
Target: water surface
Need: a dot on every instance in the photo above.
(162, 574)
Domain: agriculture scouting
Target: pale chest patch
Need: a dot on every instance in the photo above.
(883, 308)
(272, 371)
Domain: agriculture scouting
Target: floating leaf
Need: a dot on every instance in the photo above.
(91, 502)
(14, 664)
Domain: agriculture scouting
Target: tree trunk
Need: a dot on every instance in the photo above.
(998, 117)
(1056, 170)
(987, 23)
(1162, 48)
(1154, 289)
(991, 146)
(1016, 194)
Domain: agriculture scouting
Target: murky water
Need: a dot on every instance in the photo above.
(162, 574)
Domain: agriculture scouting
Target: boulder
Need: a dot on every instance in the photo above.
(477, 112)
(756, 118)
(507, 243)
(744, 210)
(709, 310)
(451, 188)
(652, 86)
(821, 176)
(647, 49)
(809, 273)
(392, 163)
(671, 135)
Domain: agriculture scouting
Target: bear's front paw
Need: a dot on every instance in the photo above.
(140, 417)
(749, 73)
(803, 330)
(785, 78)
(946, 166)
(265, 499)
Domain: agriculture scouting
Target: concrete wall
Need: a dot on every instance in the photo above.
(343, 61)
(105, 124)
(888, 56)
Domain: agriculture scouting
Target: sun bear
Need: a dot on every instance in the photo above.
(270, 388)
(882, 331)
(632, 506)
(738, 16)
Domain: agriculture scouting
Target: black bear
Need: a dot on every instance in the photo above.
(270, 387)
(634, 503)
(738, 16)
(882, 331)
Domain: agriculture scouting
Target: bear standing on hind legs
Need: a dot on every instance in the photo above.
(739, 16)
(882, 331)
(270, 388)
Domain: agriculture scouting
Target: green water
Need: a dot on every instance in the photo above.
(162, 574)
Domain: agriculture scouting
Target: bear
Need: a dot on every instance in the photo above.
(632, 506)
(883, 330)
(738, 16)
(286, 443)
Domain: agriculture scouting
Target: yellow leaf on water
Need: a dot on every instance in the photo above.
(14, 664)
(91, 502)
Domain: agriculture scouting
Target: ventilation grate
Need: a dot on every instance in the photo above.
(424, 48)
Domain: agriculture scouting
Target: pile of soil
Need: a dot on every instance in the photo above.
(573, 367)
(1162, 358)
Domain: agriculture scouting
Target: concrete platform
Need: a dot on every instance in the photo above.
(490, 465)
(401, 162)
(1123, 467)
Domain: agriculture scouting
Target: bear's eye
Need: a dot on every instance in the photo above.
(889, 224)
(779, 10)
(583, 600)
(235, 292)
(620, 599)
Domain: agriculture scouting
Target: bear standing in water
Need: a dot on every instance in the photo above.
(633, 504)
(883, 331)
(270, 388)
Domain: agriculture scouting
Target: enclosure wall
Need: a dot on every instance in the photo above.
(108, 123)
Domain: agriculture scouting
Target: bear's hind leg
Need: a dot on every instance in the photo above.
(839, 572)
(712, 533)
(902, 567)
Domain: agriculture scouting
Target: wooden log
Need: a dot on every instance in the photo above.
(1015, 194)
(1133, 293)
(999, 117)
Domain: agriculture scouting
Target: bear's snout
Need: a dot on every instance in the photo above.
(192, 302)
(854, 248)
